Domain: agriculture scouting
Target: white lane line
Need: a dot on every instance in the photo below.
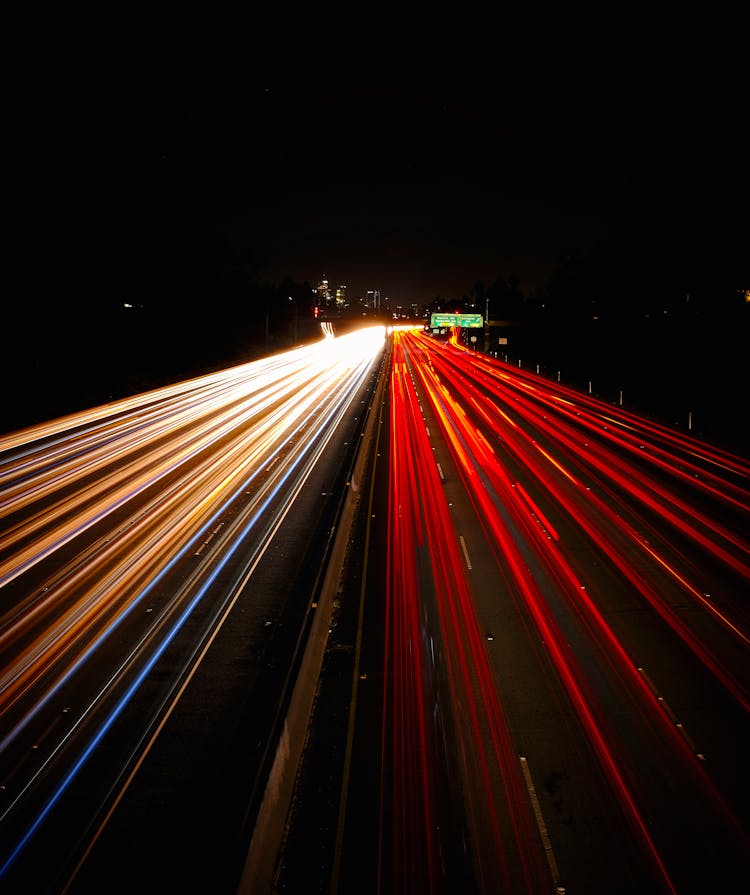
(559, 889)
(466, 552)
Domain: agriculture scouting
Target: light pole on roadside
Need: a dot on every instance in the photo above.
(487, 324)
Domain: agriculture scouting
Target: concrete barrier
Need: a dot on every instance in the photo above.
(260, 865)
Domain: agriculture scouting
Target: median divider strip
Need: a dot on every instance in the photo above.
(260, 865)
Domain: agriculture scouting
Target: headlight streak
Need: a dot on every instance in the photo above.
(119, 487)
(24, 664)
(246, 457)
(312, 392)
(155, 654)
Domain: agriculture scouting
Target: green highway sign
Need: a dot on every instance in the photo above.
(470, 320)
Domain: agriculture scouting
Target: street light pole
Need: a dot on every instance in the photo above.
(487, 324)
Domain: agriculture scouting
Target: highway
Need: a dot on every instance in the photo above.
(548, 674)
(158, 563)
(535, 672)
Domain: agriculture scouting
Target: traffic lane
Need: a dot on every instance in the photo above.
(575, 801)
(232, 710)
(371, 851)
(267, 627)
(426, 675)
(711, 638)
(674, 820)
(36, 708)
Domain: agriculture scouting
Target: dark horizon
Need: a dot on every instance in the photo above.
(414, 189)
(193, 194)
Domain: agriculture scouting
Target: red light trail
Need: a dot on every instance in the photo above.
(593, 495)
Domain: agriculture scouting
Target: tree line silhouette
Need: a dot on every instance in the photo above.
(669, 335)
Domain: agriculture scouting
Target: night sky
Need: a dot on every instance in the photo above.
(415, 173)
(418, 187)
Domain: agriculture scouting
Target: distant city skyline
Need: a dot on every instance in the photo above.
(425, 190)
